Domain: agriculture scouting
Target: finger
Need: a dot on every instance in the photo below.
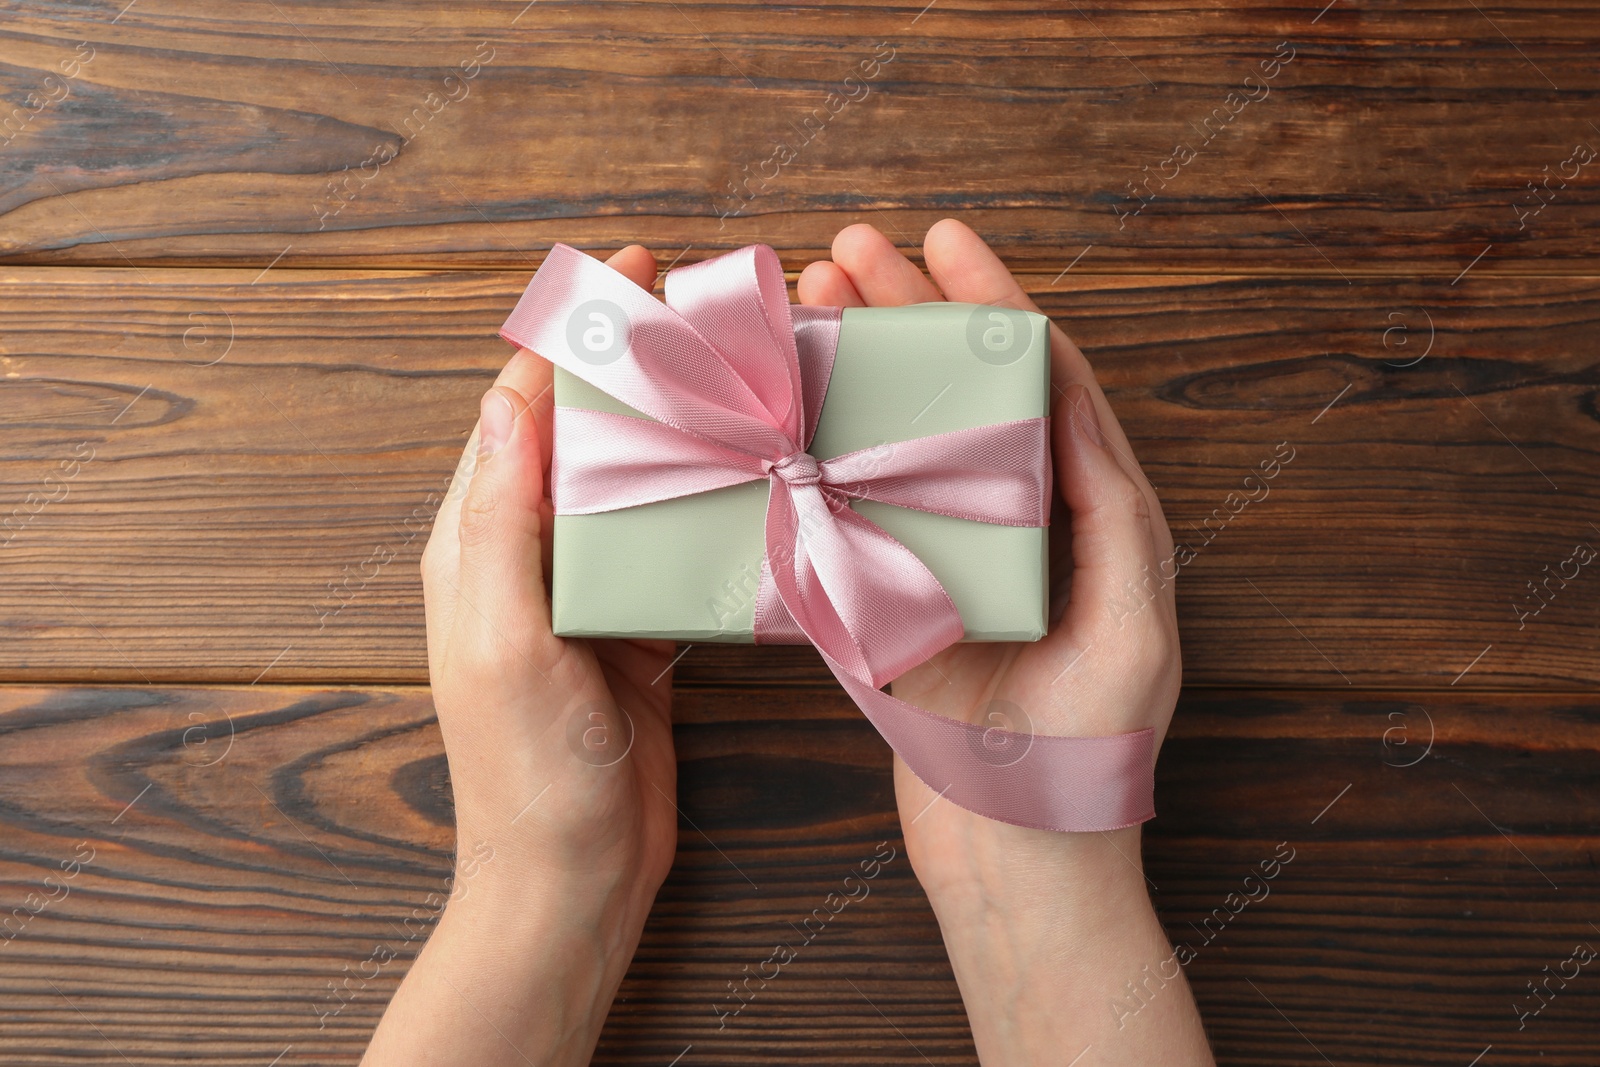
(879, 271)
(825, 282)
(636, 262)
(503, 613)
(530, 374)
(1114, 563)
(439, 555)
(966, 269)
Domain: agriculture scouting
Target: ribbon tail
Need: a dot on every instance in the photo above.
(1036, 781)
(773, 623)
(1073, 784)
(830, 569)
(853, 588)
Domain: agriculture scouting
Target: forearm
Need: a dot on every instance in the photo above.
(1057, 950)
(518, 971)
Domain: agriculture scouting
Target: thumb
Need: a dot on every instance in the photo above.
(1113, 543)
(503, 610)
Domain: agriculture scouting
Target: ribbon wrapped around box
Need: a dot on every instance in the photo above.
(693, 431)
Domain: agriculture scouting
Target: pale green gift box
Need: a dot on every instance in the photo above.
(688, 569)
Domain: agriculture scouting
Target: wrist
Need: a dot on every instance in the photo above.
(1047, 933)
(585, 826)
(522, 966)
(964, 860)
(541, 952)
(525, 898)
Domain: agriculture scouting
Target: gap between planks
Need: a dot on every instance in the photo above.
(1024, 275)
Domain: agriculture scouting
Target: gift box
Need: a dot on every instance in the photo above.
(689, 568)
(873, 481)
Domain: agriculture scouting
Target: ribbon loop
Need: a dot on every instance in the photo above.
(739, 302)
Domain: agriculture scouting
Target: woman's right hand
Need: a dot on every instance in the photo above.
(561, 766)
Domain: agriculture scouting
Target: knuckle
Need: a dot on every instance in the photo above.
(1134, 503)
(480, 515)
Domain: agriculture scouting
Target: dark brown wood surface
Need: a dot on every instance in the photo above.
(252, 260)
(267, 453)
(1390, 137)
(252, 846)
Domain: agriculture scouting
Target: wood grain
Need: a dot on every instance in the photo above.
(1378, 260)
(252, 846)
(254, 464)
(1391, 138)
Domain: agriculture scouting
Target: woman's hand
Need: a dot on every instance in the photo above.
(1045, 929)
(561, 764)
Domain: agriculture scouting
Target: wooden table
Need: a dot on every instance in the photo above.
(253, 257)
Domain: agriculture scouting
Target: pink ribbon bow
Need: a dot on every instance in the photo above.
(735, 378)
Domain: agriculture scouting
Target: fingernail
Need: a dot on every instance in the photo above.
(495, 420)
(1084, 418)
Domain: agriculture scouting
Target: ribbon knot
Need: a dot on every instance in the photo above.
(728, 373)
(797, 468)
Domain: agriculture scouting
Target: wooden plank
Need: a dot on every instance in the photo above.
(255, 463)
(252, 846)
(1393, 139)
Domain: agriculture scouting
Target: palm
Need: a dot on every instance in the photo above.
(636, 673)
(1095, 673)
(543, 733)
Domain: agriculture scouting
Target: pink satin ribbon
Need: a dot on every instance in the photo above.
(735, 378)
